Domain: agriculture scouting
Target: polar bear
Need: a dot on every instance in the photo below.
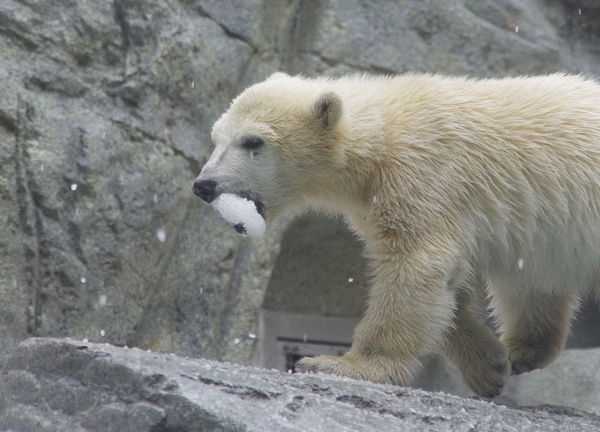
(454, 185)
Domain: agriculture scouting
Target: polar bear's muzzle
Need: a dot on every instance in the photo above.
(237, 208)
(206, 189)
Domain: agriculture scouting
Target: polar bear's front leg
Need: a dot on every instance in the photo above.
(410, 308)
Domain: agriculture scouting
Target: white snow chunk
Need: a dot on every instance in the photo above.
(102, 300)
(74, 187)
(350, 279)
(102, 333)
(83, 280)
(520, 263)
(237, 210)
(161, 235)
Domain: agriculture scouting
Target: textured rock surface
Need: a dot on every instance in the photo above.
(59, 385)
(105, 116)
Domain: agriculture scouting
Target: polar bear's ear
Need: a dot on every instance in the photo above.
(327, 110)
(278, 75)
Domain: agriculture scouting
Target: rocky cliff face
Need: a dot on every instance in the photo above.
(105, 116)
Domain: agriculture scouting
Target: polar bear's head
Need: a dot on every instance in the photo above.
(273, 145)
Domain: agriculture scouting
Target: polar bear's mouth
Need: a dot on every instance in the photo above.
(244, 213)
(260, 207)
(240, 228)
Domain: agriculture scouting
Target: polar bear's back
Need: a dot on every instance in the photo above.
(515, 161)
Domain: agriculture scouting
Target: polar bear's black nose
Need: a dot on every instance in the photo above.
(205, 189)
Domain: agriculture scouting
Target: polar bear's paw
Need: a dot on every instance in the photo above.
(376, 369)
(487, 378)
(526, 357)
(328, 364)
(533, 352)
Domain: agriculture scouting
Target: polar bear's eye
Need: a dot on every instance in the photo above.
(253, 143)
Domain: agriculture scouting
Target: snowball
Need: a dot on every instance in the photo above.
(74, 187)
(241, 213)
(161, 235)
(83, 280)
(520, 263)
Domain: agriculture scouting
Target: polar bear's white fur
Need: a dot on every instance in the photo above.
(454, 185)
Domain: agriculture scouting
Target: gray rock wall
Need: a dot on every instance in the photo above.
(105, 117)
